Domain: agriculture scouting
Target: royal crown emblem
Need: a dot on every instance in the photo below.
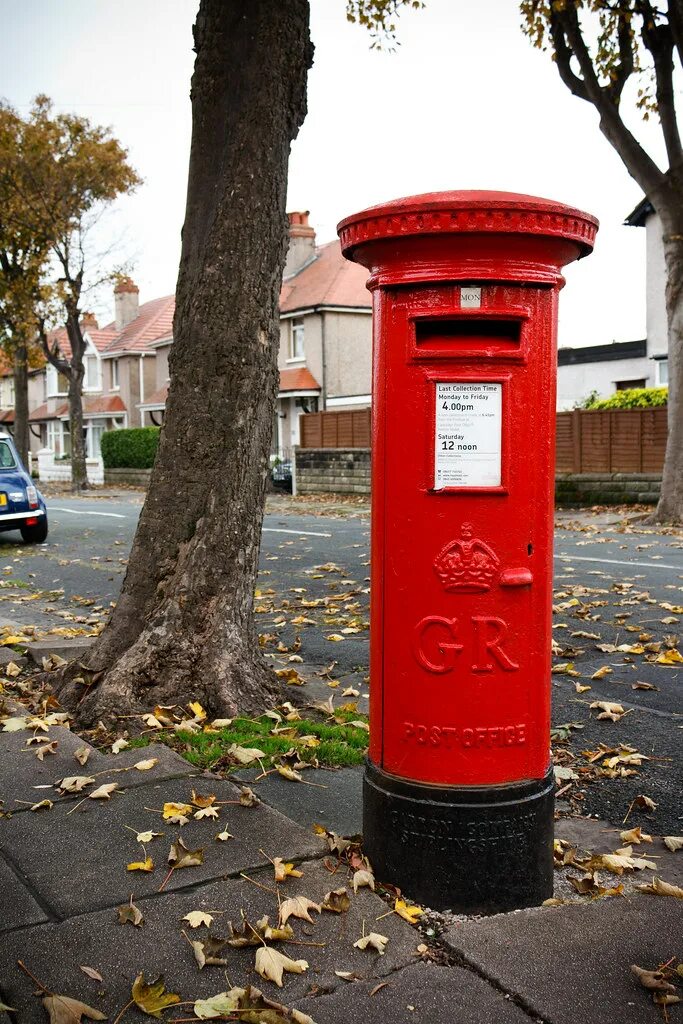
(467, 565)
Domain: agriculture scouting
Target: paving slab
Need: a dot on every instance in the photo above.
(54, 953)
(76, 854)
(571, 964)
(69, 648)
(420, 994)
(338, 806)
(23, 777)
(17, 906)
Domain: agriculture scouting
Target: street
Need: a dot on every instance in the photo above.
(613, 585)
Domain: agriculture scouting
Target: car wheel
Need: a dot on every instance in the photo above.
(35, 534)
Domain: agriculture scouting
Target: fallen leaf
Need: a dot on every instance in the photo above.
(92, 973)
(119, 745)
(147, 837)
(635, 835)
(129, 914)
(206, 951)
(288, 773)
(670, 657)
(221, 1005)
(222, 837)
(285, 870)
(271, 964)
(46, 805)
(197, 918)
(74, 783)
(173, 812)
(672, 843)
(602, 672)
(248, 797)
(206, 812)
(152, 997)
(62, 1010)
(82, 754)
(409, 914)
(197, 710)
(658, 887)
(180, 857)
(245, 755)
(652, 980)
(608, 710)
(141, 865)
(103, 792)
(337, 901)
(298, 906)
(46, 748)
(144, 766)
(362, 878)
(373, 941)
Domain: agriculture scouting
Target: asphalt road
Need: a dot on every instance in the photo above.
(628, 576)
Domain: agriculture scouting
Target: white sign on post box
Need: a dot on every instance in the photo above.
(468, 434)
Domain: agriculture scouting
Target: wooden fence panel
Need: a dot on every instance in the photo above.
(611, 440)
(588, 440)
(344, 428)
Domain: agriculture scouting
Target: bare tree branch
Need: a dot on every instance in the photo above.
(658, 39)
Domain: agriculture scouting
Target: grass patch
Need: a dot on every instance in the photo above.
(340, 744)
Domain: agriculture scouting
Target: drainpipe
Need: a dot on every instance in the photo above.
(142, 387)
(324, 359)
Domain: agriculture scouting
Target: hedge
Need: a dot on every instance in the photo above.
(630, 398)
(134, 448)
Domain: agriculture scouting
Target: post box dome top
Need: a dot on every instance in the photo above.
(468, 212)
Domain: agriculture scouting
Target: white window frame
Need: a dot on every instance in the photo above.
(297, 342)
(662, 363)
(91, 354)
(52, 383)
(115, 376)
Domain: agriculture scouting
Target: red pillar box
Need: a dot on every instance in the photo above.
(458, 796)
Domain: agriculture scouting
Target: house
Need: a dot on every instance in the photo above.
(119, 372)
(325, 356)
(325, 353)
(628, 364)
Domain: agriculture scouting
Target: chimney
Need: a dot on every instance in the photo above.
(301, 243)
(126, 295)
(89, 322)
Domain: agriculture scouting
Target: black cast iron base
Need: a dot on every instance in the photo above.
(474, 849)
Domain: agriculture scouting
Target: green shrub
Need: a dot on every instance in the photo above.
(631, 398)
(134, 448)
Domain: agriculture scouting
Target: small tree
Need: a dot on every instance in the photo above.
(58, 174)
(599, 47)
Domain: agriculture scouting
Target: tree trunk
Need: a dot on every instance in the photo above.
(670, 507)
(21, 427)
(79, 478)
(183, 627)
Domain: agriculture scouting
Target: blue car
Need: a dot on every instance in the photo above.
(22, 506)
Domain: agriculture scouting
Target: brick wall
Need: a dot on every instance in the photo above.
(333, 470)
(607, 488)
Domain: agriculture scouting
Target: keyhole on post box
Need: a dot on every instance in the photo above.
(529, 549)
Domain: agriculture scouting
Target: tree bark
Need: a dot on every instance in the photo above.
(183, 626)
(21, 427)
(75, 374)
(670, 506)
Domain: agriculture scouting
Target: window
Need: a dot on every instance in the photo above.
(6, 457)
(662, 372)
(91, 381)
(296, 339)
(55, 383)
(114, 374)
(624, 385)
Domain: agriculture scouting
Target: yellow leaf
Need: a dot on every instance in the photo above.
(671, 657)
(152, 997)
(335, 637)
(141, 865)
(409, 914)
(196, 918)
(602, 672)
(174, 810)
(145, 766)
(197, 710)
(285, 870)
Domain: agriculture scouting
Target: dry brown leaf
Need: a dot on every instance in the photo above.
(652, 980)
(62, 1010)
(180, 857)
(672, 843)
(91, 973)
(129, 914)
(362, 878)
(197, 918)
(104, 791)
(298, 906)
(206, 951)
(658, 887)
(285, 870)
(271, 964)
(373, 941)
(337, 901)
(635, 835)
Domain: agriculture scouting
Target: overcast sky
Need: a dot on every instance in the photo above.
(465, 102)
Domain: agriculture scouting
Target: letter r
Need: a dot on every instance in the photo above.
(489, 631)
